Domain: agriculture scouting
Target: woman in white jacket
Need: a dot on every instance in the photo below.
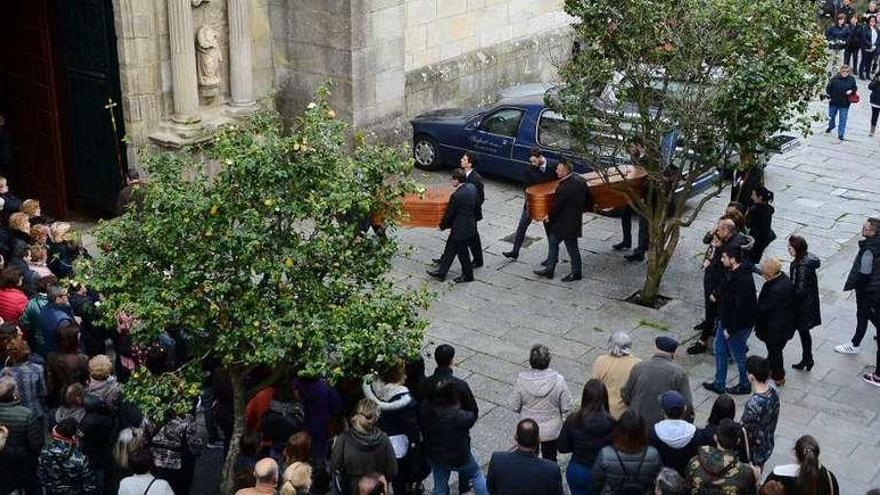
(541, 394)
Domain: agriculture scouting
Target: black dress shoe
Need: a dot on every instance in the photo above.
(700, 326)
(461, 279)
(510, 254)
(436, 274)
(803, 365)
(711, 387)
(571, 277)
(544, 273)
(621, 246)
(478, 265)
(697, 348)
(739, 390)
(635, 257)
(436, 261)
(544, 263)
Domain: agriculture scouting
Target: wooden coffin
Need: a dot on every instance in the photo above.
(426, 210)
(606, 195)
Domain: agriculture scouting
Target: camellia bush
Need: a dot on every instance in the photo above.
(681, 89)
(265, 262)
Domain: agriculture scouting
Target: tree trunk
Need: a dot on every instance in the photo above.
(236, 376)
(661, 246)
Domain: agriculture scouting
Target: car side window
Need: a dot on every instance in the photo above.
(504, 122)
(554, 131)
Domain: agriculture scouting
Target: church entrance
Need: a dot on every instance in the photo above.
(59, 81)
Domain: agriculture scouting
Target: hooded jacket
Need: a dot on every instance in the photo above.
(543, 396)
(107, 391)
(357, 453)
(399, 414)
(718, 472)
(677, 442)
(808, 313)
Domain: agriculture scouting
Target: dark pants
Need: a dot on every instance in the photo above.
(626, 225)
(457, 247)
(865, 66)
(520, 236)
(476, 248)
(774, 360)
(711, 312)
(571, 245)
(549, 450)
(875, 112)
(806, 345)
(851, 57)
(866, 310)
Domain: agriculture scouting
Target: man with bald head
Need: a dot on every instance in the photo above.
(266, 474)
(726, 236)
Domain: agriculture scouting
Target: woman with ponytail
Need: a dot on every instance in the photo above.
(807, 477)
(759, 220)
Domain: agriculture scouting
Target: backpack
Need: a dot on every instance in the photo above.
(630, 485)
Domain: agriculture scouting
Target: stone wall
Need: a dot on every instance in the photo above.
(440, 30)
(474, 78)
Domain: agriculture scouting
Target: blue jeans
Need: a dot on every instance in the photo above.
(579, 478)
(833, 112)
(469, 471)
(735, 346)
(571, 245)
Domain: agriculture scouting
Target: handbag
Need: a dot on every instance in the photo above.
(853, 97)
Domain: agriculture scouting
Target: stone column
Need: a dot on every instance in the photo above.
(241, 77)
(184, 83)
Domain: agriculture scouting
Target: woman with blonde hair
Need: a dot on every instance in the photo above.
(64, 249)
(297, 479)
(20, 228)
(361, 450)
(775, 323)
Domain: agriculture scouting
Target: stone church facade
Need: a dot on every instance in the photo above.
(187, 65)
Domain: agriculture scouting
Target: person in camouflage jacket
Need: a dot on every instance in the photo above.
(717, 471)
(63, 469)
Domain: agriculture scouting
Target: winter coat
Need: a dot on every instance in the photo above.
(760, 415)
(522, 473)
(677, 442)
(107, 391)
(399, 419)
(446, 432)
(614, 469)
(854, 40)
(12, 304)
(614, 371)
(356, 454)
(322, 404)
(64, 470)
(31, 385)
(283, 419)
(585, 437)
(874, 87)
(63, 370)
(787, 475)
(18, 459)
(706, 438)
(759, 222)
(51, 317)
(867, 35)
(543, 396)
(837, 88)
(775, 323)
(808, 312)
(738, 301)
(29, 322)
(177, 440)
(648, 380)
(462, 389)
(718, 472)
(460, 215)
(713, 275)
(566, 217)
(837, 36)
(870, 283)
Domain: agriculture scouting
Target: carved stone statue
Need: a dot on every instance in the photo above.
(209, 58)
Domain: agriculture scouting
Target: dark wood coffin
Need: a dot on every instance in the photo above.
(606, 194)
(426, 210)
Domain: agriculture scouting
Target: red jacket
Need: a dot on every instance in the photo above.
(12, 304)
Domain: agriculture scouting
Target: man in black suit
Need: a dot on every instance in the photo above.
(537, 172)
(471, 177)
(460, 218)
(565, 221)
(521, 472)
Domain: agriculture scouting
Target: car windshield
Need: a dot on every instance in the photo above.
(554, 131)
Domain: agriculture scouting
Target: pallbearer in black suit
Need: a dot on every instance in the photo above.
(565, 221)
(460, 218)
(537, 172)
(472, 177)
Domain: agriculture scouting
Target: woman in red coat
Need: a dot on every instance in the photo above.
(12, 299)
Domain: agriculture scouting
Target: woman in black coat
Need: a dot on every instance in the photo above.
(808, 313)
(775, 321)
(874, 87)
(759, 221)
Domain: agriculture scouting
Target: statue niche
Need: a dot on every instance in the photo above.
(209, 58)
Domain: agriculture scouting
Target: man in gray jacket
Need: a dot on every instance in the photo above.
(541, 394)
(651, 378)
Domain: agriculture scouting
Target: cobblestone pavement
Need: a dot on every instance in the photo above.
(824, 190)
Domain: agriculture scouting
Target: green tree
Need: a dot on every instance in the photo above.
(264, 263)
(717, 77)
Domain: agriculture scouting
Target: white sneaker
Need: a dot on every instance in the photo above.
(847, 348)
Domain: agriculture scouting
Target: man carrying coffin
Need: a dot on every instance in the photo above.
(460, 218)
(565, 222)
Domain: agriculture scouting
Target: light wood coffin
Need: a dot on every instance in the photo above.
(606, 195)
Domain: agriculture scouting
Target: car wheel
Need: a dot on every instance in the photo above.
(426, 153)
